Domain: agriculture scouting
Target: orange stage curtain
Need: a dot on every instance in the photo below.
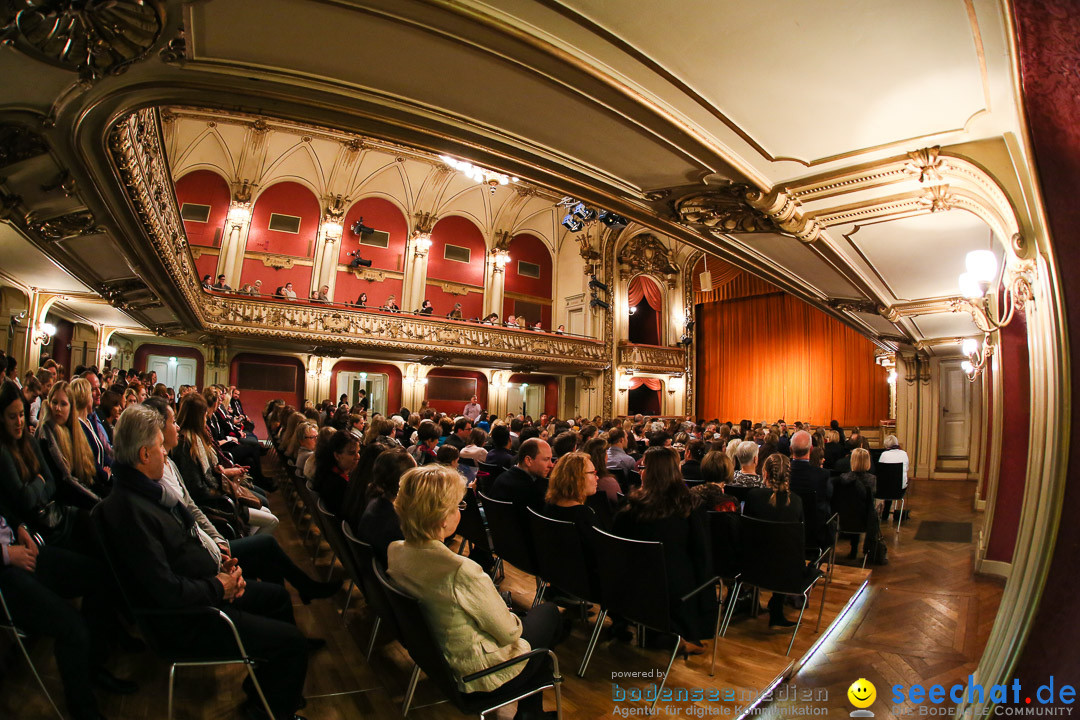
(774, 356)
(651, 383)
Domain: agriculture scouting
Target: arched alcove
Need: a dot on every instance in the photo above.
(643, 397)
(458, 255)
(528, 280)
(645, 302)
(382, 216)
(269, 249)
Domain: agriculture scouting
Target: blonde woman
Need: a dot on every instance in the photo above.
(68, 453)
(131, 397)
(469, 619)
(863, 484)
(81, 394)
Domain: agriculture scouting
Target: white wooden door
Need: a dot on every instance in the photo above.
(954, 402)
(173, 371)
(526, 401)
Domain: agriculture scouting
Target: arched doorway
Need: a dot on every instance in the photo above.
(646, 307)
(643, 397)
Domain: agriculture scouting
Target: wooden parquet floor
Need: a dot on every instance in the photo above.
(925, 617)
(877, 639)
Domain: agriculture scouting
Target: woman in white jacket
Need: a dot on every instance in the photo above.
(469, 618)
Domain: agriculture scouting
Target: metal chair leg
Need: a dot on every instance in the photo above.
(348, 598)
(258, 688)
(410, 690)
(900, 515)
(716, 634)
(733, 596)
(172, 677)
(33, 669)
(592, 642)
(797, 624)
(821, 607)
(330, 568)
(374, 634)
(541, 586)
(678, 644)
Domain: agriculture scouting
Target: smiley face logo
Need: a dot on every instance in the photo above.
(862, 693)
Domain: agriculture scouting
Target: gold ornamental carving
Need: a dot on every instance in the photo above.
(278, 262)
(646, 253)
(454, 288)
(652, 358)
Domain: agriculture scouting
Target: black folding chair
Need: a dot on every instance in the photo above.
(890, 486)
(486, 474)
(363, 556)
(8, 623)
(511, 539)
(739, 492)
(561, 556)
(724, 533)
(319, 519)
(425, 651)
(854, 512)
(820, 533)
(633, 581)
(471, 527)
(156, 627)
(772, 559)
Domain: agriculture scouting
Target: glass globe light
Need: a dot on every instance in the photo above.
(982, 265)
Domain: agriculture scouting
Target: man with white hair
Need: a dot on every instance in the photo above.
(893, 454)
(152, 536)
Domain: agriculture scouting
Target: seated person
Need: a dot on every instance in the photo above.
(469, 619)
(572, 481)
(834, 449)
(500, 453)
(776, 503)
(67, 453)
(391, 305)
(427, 439)
(333, 463)
(662, 509)
(361, 300)
(863, 485)
(455, 313)
(716, 473)
(158, 552)
(447, 455)
(597, 450)
(473, 454)
(379, 526)
(511, 321)
(694, 454)
(491, 319)
(426, 308)
(746, 457)
(525, 484)
(260, 555)
(287, 292)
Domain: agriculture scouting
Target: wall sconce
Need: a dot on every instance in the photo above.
(501, 258)
(978, 354)
(495, 385)
(633, 309)
(892, 377)
(421, 243)
(45, 333)
(981, 286)
(108, 352)
(363, 377)
(524, 387)
(674, 384)
(624, 384)
(173, 361)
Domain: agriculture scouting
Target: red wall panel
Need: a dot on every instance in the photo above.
(298, 275)
(454, 407)
(207, 265)
(472, 304)
(205, 187)
(381, 215)
(1016, 415)
(533, 250)
(255, 400)
(286, 198)
(393, 381)
(457, 231)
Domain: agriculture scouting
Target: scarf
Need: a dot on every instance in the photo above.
(135, 482)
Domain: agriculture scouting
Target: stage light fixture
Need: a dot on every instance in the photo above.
(360, 229)
(611, 220)
(595, 284)
(572, 224)
(598, 303)
(586, 214)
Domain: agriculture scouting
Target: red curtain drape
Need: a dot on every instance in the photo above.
(643, 288)
(774, 356)
(651, 383)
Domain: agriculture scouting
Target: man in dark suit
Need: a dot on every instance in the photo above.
(805, 478)
(525, 484)
(152, 536)
(459, 438)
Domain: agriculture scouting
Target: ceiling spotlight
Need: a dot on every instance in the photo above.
(572, 224)
(611, 220)
(585, 213)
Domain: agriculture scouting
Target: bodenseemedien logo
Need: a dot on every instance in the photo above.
(862, 694)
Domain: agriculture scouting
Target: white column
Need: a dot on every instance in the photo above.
(414, 288)
(231, 254)
(495, 287)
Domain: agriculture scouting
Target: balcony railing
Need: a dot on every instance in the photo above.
(652, 358)
(348, 326)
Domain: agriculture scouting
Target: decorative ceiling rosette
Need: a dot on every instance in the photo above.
(92, 37)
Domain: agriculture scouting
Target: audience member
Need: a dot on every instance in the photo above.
(333, 463)
(893, 454)
(745, 457)
(525, 484)
(470, 621)
(378, 525)
(862, 485)
(617, 457)
(67, 452)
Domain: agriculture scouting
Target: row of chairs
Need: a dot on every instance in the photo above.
(402, 614)
(630, 581)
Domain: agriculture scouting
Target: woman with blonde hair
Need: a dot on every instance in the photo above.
(863, 485)
(289, 439)
(68, 453)
(470, 621)
(81, 394)
(131, 397)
